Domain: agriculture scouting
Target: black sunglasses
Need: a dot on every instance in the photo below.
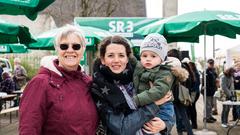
(74, 46)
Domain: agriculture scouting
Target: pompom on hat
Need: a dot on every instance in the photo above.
(186, 60)
(174, 62)
(156, 43)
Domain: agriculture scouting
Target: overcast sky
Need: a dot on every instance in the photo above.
(154, 10)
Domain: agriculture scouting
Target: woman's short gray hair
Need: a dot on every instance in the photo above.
(67, 30)
(17, 60)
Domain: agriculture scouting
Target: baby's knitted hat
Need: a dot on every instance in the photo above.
(156, 43)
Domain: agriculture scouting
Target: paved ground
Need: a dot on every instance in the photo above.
(6, 128)
(12, 129)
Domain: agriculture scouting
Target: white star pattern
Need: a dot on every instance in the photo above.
(116, 82)
(105, 90)
(95, 75)
(98, 104)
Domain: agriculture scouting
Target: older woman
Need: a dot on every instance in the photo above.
(57, 100)
(19, 74)
(113, 92)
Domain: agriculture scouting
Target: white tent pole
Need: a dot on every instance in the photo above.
(205, 131)
(229, 59)
(213, 47)
(205, 91)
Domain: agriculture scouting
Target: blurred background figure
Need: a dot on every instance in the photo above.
(211, 87)
(236, 87)
(191, 111)
(19, 74)
(7, 84)
(1, 71)
(237, 76)
(195, 93)
(182, 118)
(228, 88)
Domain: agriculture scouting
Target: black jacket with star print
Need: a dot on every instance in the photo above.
(115, 114)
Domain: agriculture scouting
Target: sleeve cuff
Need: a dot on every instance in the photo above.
(167, 129)
(135, 98)
(153, 108)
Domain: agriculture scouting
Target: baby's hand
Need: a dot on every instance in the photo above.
(163, 100)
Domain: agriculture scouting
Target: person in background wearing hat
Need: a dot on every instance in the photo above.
(211, 87)
(156, 68)
(19, 74)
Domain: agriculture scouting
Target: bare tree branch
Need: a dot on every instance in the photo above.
(112, 6)
(99, 7)
(64, 11)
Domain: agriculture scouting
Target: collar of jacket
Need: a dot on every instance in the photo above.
(57, 75)
(69, 75)
(54, 79)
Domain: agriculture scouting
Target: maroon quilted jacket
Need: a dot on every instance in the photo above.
(54, 104)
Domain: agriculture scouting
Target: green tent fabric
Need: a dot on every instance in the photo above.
(123, 26)
(14, 33)
(30, 8)
(45, 41)
(13, 48)
(189, 26)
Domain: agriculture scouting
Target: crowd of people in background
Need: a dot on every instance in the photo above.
(13, 81)
(227, 81)
(186, 115)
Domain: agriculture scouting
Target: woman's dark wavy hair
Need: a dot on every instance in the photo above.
(229, 72)
(114, 40)
(193, 67)
(174, 53)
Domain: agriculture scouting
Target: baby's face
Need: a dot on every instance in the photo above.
(150, 59)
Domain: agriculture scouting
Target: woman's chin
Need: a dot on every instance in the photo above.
(116, 71)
